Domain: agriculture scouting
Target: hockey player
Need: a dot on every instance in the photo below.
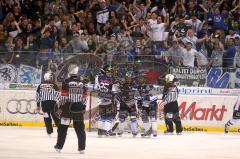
(148, 105)
(107, 107)
(72, 108)
(47, 96)
(236, 116)
(171, 111)
(127, 105)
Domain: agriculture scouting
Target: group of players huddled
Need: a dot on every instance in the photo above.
(128, 97)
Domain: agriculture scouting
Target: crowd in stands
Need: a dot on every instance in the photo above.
(193, 33)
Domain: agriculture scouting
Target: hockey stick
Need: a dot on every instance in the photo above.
(115, 126)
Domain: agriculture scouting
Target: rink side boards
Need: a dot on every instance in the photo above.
(201, 112)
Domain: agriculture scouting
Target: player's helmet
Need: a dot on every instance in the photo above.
(106, 70)
(48, 76)
(73, 69)
(169, 78)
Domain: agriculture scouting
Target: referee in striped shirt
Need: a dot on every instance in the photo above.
(47, 96)
(72, 108)
(171, 111)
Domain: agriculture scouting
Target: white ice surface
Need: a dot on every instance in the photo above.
(21, 143)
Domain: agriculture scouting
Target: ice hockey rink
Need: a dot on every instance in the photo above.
(24, 143)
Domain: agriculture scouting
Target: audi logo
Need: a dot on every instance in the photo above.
(22, 106)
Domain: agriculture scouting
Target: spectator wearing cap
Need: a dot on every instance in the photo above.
(175, 53)
(189, 55)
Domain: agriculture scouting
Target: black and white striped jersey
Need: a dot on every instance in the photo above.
(170, 94)
(47, 92)
(73, 90)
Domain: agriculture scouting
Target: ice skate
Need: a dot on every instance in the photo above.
(100, 132)
(120, 133)
(147, 133)
(154, 133)
(168, 133)
(110, 133)
(179, 133)
(81, 151)
(57, 149)
(134, 134)
(226, 128)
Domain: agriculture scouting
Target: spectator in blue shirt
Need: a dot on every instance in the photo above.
(219, 19)
(160, 52)
(230, 53)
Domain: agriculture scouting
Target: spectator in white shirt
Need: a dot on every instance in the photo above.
(232, 34)
(158, 30)
(193, 39)
(189, 55)
(195, 23)
(153, 19)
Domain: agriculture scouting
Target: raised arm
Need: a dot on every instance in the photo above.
(148, 4)
(134, 5)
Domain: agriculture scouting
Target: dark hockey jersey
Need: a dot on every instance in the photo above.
(105, 90)
(127, 94)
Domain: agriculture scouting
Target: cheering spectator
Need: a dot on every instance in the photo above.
(175, 53)
(230, 53)
(142, 9)
(189, 55)
(217, 55)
